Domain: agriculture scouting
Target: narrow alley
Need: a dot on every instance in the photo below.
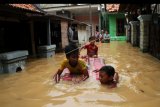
(138, 85)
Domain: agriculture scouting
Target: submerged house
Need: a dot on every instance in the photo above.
(51, 29)
(15, 30)
(85, 13)
(27, 31)
(15, 36)
(143, 26)
(113, 21)
(27, 27)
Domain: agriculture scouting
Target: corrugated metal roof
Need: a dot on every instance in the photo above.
(112, 7)
(80, 23)
(30, 7)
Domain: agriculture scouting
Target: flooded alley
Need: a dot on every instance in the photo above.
(138, 85)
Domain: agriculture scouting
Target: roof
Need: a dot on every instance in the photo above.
(30, 7)
(130, 7)
(59, 17)
(69, 19)
(51, 16)
(112, 7)
(80, 23)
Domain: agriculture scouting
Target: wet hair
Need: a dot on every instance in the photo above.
(92, 38)
(109, 70)
(71, 49)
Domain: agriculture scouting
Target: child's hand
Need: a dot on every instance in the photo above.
(85, 77)
(86, 44)
(79, 79)
(116, 77)
(113, 85)
(94, 56)
(56, 77)
(96, 70)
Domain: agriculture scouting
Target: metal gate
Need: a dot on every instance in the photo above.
(138, 34)
(129, 33)
(154, 37)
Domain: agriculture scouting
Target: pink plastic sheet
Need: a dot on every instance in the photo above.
(94, 65)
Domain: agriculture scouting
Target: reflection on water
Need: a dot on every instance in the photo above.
(34, 87)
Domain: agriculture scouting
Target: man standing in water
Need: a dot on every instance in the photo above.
(73, 35)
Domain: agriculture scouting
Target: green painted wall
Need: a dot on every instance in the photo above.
(103, 20)
(112, 26)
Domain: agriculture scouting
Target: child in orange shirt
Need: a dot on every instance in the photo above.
(73, 63)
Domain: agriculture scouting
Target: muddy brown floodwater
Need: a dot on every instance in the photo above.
(139, 84)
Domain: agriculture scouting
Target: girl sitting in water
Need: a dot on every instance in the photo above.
(108, 76)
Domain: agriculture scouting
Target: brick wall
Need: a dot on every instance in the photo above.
(144, 35)
(64, 30)
(144, 32)
(134, 32)
(86, 19)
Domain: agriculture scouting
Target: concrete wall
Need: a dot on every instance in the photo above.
(144, 32)
(64, 32)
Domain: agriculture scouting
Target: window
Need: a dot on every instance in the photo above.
(97, 29)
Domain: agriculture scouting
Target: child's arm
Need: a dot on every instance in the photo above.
(84, 77)
(84, 46)
(57, 75)
(86, 74)
(81, 48)
(116, 77)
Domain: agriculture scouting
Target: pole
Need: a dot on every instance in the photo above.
(100, 18)
(48, 33)
(90, 17)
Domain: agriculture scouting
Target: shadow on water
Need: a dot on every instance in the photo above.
(138, 86)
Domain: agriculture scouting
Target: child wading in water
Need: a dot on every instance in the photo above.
(73, 63)
(92, 49)
(108, 76)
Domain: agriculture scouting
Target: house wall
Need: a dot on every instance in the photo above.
(82, 34)
(86, 19)
(113, 26)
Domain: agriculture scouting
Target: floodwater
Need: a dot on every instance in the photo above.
(138, 85)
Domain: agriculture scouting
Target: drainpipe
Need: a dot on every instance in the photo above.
(48, 33)
(32, 38)
(100, 9)
(90, 18)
